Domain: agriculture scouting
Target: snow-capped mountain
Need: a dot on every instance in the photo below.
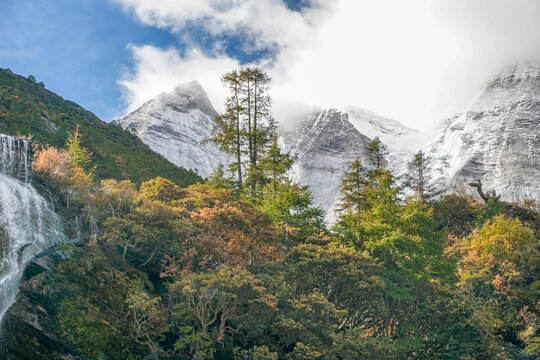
(496, 139)
(402, 142)
(175, 124)
(327, 141)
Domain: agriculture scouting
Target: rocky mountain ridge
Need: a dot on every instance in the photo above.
(496, 139)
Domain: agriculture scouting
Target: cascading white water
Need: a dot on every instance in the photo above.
(28, 224)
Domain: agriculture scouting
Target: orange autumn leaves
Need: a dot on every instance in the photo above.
(499, 256)
(224, 230)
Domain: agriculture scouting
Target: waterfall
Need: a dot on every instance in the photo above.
(28, 224)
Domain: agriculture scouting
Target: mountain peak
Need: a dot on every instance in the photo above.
(188, 96)
(175, 125)
(495, 139)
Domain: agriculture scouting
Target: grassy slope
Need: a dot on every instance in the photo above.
(27, 108)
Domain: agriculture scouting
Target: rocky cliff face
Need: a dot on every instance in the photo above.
(402, 141)
(496, 139)
(175, 124)
(26, 333)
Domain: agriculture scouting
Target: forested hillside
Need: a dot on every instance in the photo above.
(28, 109)
(243, 267)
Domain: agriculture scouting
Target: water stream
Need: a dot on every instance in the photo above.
(28, 224)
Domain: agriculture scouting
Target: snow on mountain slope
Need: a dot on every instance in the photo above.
(496, 139)
(174, 125)
(402, 142)
(325, 143)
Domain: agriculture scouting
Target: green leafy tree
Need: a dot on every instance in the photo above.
(215, 304)
(255, 353)
(344, 276)
(145, 318)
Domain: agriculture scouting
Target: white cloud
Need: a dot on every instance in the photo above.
(262, 24)
(415, 61)
(491, 34)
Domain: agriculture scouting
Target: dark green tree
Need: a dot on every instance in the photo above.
(228, 131)
(417, 177)
(247, 127)
(274, 167)
(376, 155)
(353, 186)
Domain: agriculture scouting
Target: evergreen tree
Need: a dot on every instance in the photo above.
(218, 179)
(275, 166)
(353, 186)
(228, 131)
(287, 202)
(372, 218)
(247, 127)
(376, 155)
(370, 197)
(417, 177)
(260, 126)
(79, 156)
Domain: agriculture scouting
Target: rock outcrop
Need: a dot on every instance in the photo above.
(25, 334)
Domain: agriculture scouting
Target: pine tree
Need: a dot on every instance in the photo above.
(287, 202)
(370, 195)
(228, 131)
(376, 155)
(259, 125)
(275, 166)
(417, 177)
(373, 218)
(247, 126)
(218, 179)
(79, 156)
(353, 186)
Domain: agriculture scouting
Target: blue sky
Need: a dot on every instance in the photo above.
(79, 48)
(416, 61)
(76, 47)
